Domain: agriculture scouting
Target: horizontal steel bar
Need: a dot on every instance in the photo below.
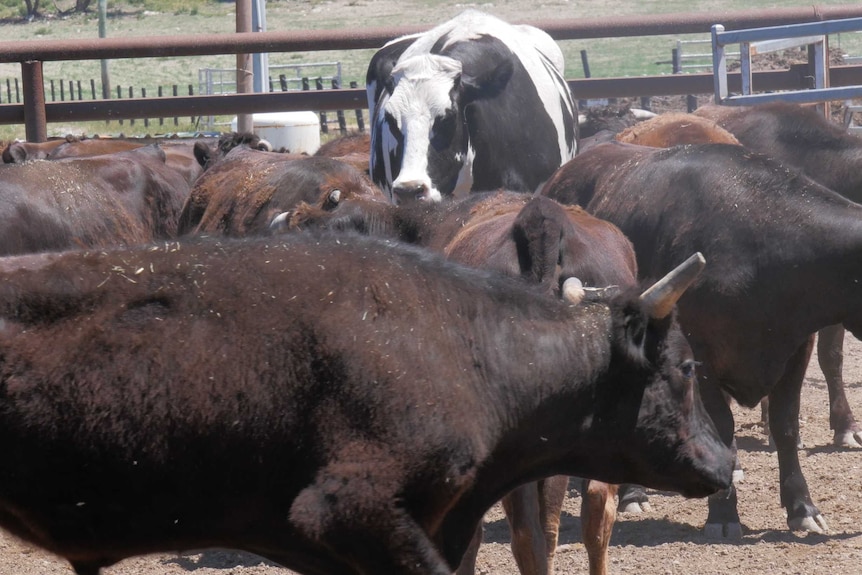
(797, 97)
(374, 37)
(353, 99)
(778, 31)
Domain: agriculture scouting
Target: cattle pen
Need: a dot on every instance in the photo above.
(35, 113)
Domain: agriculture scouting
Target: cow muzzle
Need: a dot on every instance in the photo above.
(410, 192)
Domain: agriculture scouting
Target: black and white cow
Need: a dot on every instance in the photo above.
(475, 104)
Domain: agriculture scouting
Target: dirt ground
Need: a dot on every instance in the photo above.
(665, 541)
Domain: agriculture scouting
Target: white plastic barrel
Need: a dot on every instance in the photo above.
(297, 132)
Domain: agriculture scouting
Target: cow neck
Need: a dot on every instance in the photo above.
(544, 407)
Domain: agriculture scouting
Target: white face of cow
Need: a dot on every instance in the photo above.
(423, 122)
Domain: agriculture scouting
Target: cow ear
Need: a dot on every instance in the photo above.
(203, 154)
(634, 331)
(15, 153)
(486, 84)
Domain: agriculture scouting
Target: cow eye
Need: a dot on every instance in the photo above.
(333, 198)
(443, 131)
(689, 368)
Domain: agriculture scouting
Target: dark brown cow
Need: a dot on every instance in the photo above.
(242, 192)
(544, 242)
(801, 137)
(208, 153)
(774, 237)
(117, 199)
(354, 408)
(179, 154)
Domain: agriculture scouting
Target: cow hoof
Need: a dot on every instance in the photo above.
(738, 476)
(850, 439)
(816, 524)
(729, 531)
(635, 507)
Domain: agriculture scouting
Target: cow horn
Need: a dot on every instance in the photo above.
(641, 114)
(280, 222)
(658, 300)
(573, 290)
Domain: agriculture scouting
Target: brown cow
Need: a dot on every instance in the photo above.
(353, 148)
(116, 199)
(356, 408)
(675, 129)
(179, 154)
(241, 193)
(20, 152)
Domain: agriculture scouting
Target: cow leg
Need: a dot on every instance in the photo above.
(522, 507)
(632, 499)
(85, 568)
(723, 517)
(468, 561)
(830, 354)
(784, 424)
(598, 514)
(553, 495)
(351, 509)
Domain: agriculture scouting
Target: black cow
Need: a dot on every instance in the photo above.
(774, 237)
(546, 243)
(342, 405)
(801, 137)
(474, 104)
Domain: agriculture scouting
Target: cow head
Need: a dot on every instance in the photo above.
(421, 120)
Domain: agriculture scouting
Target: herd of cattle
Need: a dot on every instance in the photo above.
(341, 361)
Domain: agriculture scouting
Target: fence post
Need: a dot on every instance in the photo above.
(339, 114)
(119, 96)
(324, 123)
(646, 103)
(35, 118)
(282, 80)
(53, 96)
(360, 121)
(192, 93)
(80, 96)
(93, 87)
(131, 95)
(176, 93)
(146, 120)
(161, 120)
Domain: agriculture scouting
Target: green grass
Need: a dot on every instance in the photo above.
(608, 57)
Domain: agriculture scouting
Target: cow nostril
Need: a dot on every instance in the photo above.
(410, 193)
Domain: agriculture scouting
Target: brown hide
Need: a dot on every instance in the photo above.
(241, 193)
(118, 199)
(20, 152)
(674, 129)
(353, 148)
